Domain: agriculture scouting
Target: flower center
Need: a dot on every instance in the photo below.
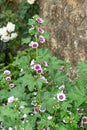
(61, 97)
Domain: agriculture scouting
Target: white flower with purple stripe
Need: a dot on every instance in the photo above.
(40, 30)
(37, 67)
(84, 118)
(8, 78)
(40, 71)
(39, 20)
(42, 39)
(80, 111)
(11, 85)
(6, 72)
(45, 63)
(33, 44)
(36, 110)
(61, 96)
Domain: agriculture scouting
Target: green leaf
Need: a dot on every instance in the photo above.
(26, 40)
(46, 35)
(26, 110)
(28, 126)
(31, 22)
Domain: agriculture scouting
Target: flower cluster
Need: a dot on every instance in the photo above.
(38, 68)
(61, 96)
(37, 108)
(8, 32)
(83, 118)
(8, 78)
(40, 35)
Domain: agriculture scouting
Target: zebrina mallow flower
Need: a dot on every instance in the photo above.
(42, 39)
(45, 63)
(36, 110)
(6, 72)
(33, 44)
(84, 119)
(80, 111)
(11, 85)
(1, 126)
(40, 71)
(80, 124)
(37, 67)
(61, 96)
(40, 30)
(8, 78)
(39, 20)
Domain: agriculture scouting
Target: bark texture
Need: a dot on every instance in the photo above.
(67, 23)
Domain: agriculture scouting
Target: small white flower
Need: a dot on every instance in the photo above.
(31, 1)
(35, 93)
(21, 70)
(65, 121)
(32, 63)
(10, 128)
(44, 79)
(33, 44)
(5, 38)
(3, 31)
(49, 117)
(11, 99)
(10, 27)
(21, 107)
(61, 96)
(13, 36)
(24, 116)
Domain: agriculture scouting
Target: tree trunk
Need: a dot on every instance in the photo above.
(67, 23)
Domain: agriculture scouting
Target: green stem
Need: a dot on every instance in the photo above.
(36, 54)
(39, 97)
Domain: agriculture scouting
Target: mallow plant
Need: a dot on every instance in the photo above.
(36, 92)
